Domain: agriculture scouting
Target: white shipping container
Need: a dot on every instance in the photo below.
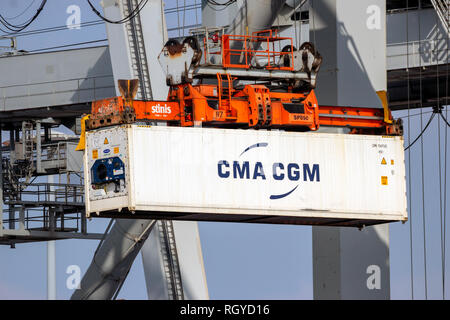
(244, 176)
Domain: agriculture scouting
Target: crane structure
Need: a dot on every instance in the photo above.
(228, 78)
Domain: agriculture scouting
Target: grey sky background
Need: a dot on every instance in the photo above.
(242, 261)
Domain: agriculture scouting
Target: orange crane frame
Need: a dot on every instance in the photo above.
(254, 106)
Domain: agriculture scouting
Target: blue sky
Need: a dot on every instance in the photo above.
(242, 261)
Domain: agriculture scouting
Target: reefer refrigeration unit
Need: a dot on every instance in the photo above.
(163, 172)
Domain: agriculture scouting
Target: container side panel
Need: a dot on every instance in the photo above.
(270, 171)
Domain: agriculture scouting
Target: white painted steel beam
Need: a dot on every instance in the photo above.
(49, 79)
(351, 36)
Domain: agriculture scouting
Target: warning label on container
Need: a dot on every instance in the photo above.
(384, 180)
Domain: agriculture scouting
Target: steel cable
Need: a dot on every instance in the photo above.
(23, 12)
(68, 45)
(445, 162)
(409, 157)
(57, 28)
(130, 16)
(445, 120)
(439, 155)
(422, 132)
(212, 4)
(422, 166)
(20, 27)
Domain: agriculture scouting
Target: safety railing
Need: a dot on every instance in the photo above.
(52, 156)
(209, 38)
(245, 51)
(442, 8)
(53, 194)
(46, 206)
(41, 219)
(257, 50)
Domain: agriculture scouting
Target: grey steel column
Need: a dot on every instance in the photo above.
(51, 252)
(38, 147)
(22, 218)
(51, 270)
(351, 37)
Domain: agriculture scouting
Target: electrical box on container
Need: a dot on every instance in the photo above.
(202, 174)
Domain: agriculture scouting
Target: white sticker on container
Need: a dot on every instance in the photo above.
(117, 172)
